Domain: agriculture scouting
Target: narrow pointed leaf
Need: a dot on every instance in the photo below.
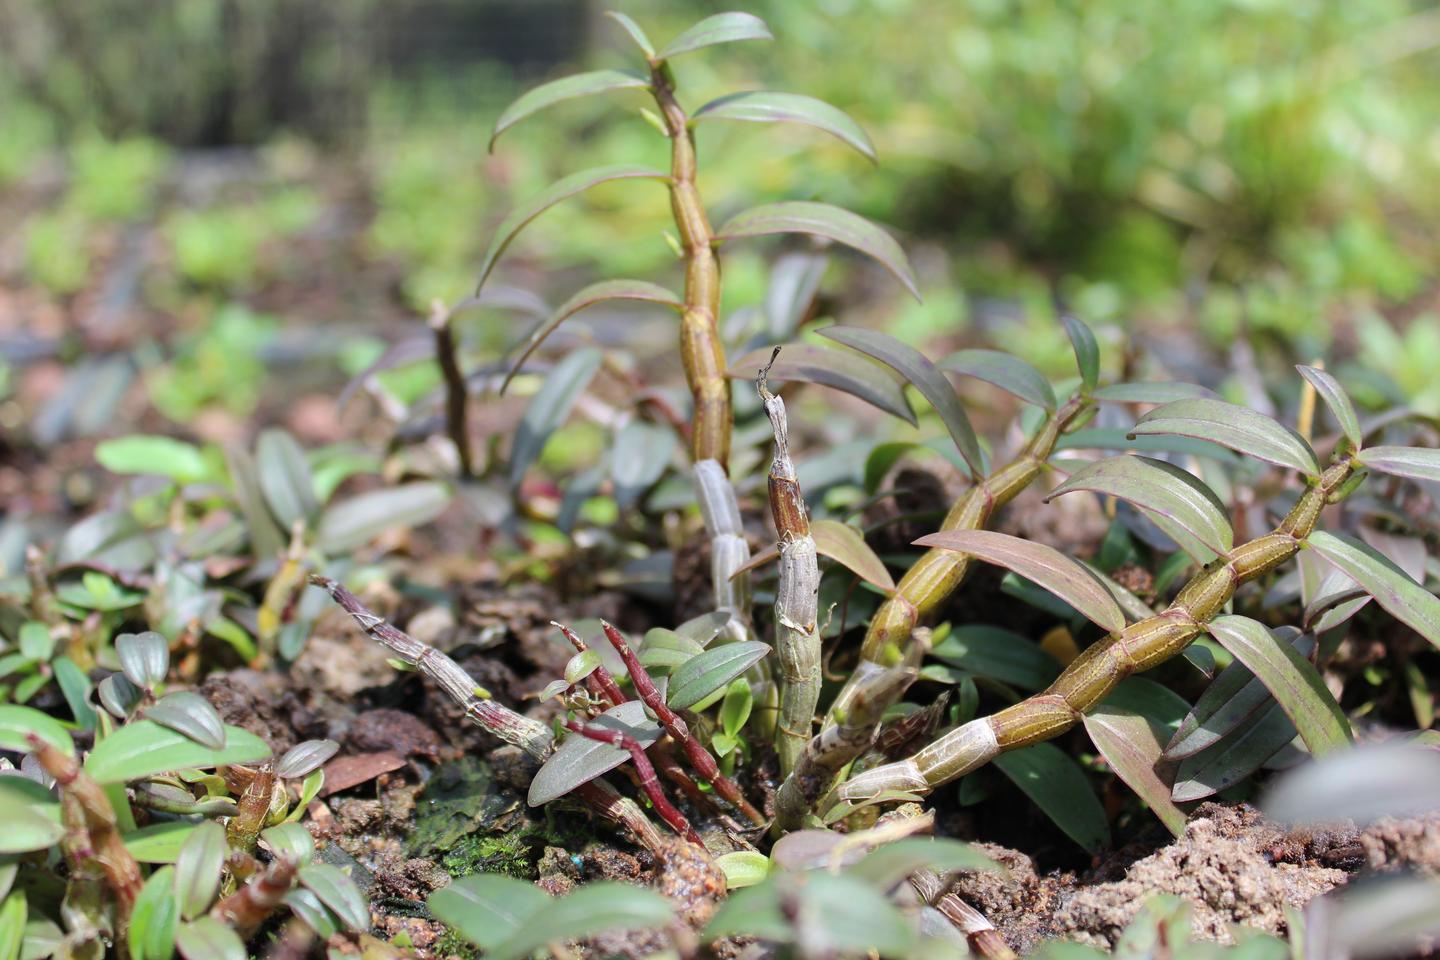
(914, 367)
(888, 865)
(1046, 566)
(142, 748)
(357, 521)
(1391, 587)
(562, 189)
(1239, 428)
(579, 759)
(549, 408)
(1252, 742)
(1150, 391)
(1087, 351)
(720, 28)
(1232, 698)
(488, 908)
(844, 370)
(566, 88)
(1132, 747)
(1175, 499)
(631, 27)
(846, 545)
(190, 714)
(600, 292)
(1006, 371)
(197, 869)
(206, 938)
(265, 537)
(1337, 400)
(1058, 786)
(285, 478)
(1417, 463)
(641, 453)
(763, 106)
(711, 672)
(338, 892)
(824, 220)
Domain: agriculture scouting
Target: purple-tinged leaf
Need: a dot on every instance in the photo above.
(1290, 678)
(1046, 566)
(1180, 504)
(794, 280)
(1391, 587)
(846, 545)
(1087, 351)
(285, 478)
(763, 106)
(720, 28)
(1337, 400)
(595, 293)
(1239, 428)
(1253, 741)
(190, 714)
(1057, 785)
(1006, 371)
(1150, 391)
(579, 759)
(351, 523)
(566, 88)
(549, 408)
(633, 29)
(914, 367)
(824, 220)
(562, 189)
(1132, 747)
(305, 758)
(1416, 463)
(843, 370)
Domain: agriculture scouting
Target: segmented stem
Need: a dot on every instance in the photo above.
(1091, 676)
(604, 683)
(648, 781)
(979, 932)
(252, 904)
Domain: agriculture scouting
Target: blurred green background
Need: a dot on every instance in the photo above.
(210, 180)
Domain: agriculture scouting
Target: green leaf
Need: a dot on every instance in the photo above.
(285, 478)
(562, 189)
(846, 545)
(1290, 678)
(1180, 504)
(641, 453)
(1132, 746)
(1087, 351)
(32, 819)
(155, 917)
(266, 539)
(999, 655)
(360, 519)
(153, 456)
(13, 913)
(579, 759)
(36, 641)
(43, 938)
(638, 290)
(158, 842)
(1240, 753)
(1417, 463)
(75, 687)
(914, 367)
(1110, 438)
(1239, 428)
(190, 714)
(665, 649)
(312, 912)
(636, 34)
(1391, 587)
(488, 908)
(206, 938)
(1058, 786)
(1337, 400)
(1149, 391)
(16, 722)
(1006, 371)
(711, 672)
(590, 909)
(824, 220)
(843, 370)
(720, 28)
(843, 916)
(1046, 566)
(304, 758)
(743, 868)
(309, 790)
(338, 892)
(197, 869)
(144, 657)
(566, 88)
(890, 864)
(763, 106)
(143, 748)
(289, 840)
(549, 408)
(1392, 778)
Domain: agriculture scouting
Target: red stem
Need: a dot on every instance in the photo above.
(648, 781)
(602, 676)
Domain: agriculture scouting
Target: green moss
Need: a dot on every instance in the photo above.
(511, 852)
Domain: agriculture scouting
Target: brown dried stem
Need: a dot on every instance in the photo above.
(252, 904)
(456, 396)
(648, 781)
(979, 932)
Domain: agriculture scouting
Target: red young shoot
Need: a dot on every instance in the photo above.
(601, 676)
(648, 781)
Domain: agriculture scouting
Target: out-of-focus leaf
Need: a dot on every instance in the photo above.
(1058, 786)
(488, 908)
(763, 106)
(142, 748)
(637, 290)
(1046, 566)
(144, 657)
(43, 938)
(794, 280)
(14, 909)
(842, 369)
(1391, 587)
(720, 28)
(1182, 506)
(26, 827)
(579, 759)
(1006, 371)
(890, 864)
(16, 722)
(549, 408)
(197, 869)
(1150, 391)
(828, 901)
(354, 522)
(305, 758)
(846, 545)
(1240, 753)
(153, 456)
(265, 537)
(1239, 428)
(998, 654)
(642, 452)
(562, 189)
(119, 696)
(1337, 400)
(914, 367)
(312, 912)
(1417, 463)
(1385, 917)
(289, 840)
(192, 715)
(158, 842)
(285, 478)
(206, 938)
(1087, 351)
(1290, 678)
(590, 909)
(743, 868)
(1395, 778)
(566, 88)
(631, 27)
(154, 918)
(338, 892)
(824, 220)
(1132, 747)
(1110, 438)
(708, 674)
